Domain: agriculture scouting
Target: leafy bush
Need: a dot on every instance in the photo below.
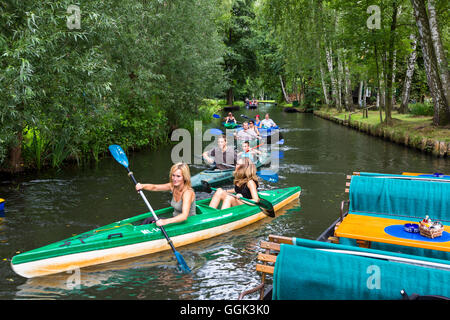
(421, 109)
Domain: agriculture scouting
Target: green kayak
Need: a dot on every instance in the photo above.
(220, 177)
(231, 125)
(128, 238)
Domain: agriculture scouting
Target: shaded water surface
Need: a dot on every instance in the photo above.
(53, 205)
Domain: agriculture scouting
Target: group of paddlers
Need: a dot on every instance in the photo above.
(251, 103)
(224, 157)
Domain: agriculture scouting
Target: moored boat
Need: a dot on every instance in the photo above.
(371, 251)
(128, 238)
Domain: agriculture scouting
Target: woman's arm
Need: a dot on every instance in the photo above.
(153, 187)
(188, 198)
(253, 190)
(207, 157)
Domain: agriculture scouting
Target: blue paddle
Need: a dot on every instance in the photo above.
(120, 156)
(268, 175)
(216, 116)
(215, 131)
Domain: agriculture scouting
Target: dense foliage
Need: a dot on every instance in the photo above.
(359, 52)
(128, 74)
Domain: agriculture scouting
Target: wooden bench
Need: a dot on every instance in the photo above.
(267, 266)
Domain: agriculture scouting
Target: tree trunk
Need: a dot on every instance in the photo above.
(329, 56)
(409, 75)
(379, 91)
(230, 97)
(286, 98)
(360, 94)
(390, 64)
(15, 155)
(324, 85)
(439, 50)
(318, 28)
(348, 89)
(364, 102)
(441, 112)
(394, 70)
(339, 83)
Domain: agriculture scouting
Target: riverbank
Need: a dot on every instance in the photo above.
(135, 130)
(412, 131)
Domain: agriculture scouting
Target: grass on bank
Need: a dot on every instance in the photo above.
(414, 125)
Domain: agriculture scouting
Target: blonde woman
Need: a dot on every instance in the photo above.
(245, 185)
(183, 196)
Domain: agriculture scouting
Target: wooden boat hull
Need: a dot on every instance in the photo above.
(127, 238)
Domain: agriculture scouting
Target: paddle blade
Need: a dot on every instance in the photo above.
(216, 116)
(206, 186)
(215, 131)
(248, 118)
(183, 265)
(280, 141)
(266, 207)
(268, 175)
(118, 154)
(277, 154)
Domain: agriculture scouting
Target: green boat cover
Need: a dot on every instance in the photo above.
(302, 271)
(393, 197)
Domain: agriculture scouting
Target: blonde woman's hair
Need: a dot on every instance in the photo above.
(185, 172)
(245, 171)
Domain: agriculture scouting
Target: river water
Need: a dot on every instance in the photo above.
(54, 205)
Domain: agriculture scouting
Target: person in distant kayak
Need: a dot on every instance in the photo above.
(230, 118)
(183, 196)
(246, 133)
(251, 126)
(223, 156)
(245, 185)
(257, 122)
(249, 153)
(267, 122)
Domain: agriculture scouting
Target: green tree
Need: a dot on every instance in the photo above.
(240, 56)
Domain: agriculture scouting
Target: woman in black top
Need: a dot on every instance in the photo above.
(245, 185)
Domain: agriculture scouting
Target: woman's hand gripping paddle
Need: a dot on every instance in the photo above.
(121, 158)
(266, 206)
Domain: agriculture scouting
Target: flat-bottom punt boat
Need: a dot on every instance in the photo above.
(370, 252)
(129, 238)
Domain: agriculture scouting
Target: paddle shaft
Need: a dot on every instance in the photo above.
(391, 258)
(141, 193)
